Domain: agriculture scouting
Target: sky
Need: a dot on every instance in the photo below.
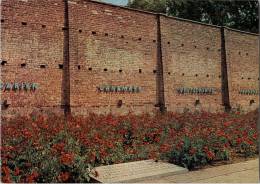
(117, 2)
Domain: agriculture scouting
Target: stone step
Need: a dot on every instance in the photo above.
(136, 171)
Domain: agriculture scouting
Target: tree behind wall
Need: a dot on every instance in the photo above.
(241, 15)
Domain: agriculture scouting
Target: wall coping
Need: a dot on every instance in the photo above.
(171, 17)
(240, 31)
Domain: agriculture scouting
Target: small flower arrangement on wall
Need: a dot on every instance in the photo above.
(248, 92)
(202, 90)
(111, 89)
(8, 86)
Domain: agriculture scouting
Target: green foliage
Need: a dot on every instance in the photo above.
(241, 15)
(190, 153)
(158, 6)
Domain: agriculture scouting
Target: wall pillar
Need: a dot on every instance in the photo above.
(66, 63)
(224, 73)
(159, 76)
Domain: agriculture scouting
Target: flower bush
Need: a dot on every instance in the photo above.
(40, 149)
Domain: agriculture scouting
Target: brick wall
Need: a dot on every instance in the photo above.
(115, 46)
(119, 41)
(32, 38)
(243, 65)
(192, 59)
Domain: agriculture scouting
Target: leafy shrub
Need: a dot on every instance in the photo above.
(28, 158)
(49, 149)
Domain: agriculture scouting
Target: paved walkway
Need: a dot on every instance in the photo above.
(243, 172)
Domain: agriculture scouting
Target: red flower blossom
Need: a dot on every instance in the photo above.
(205, 149)
(226, 145)
(67, 158)
(7, 148)
(122, 131)
(180, 145)
(220, 133)
(7, 179)
(4, 162)
(16, 171)
(27, 134)
(228, 123)
(157, 139)
(110, 145)
(6, 170)
(210, 155)
(239, 140)
(103, 153)
(59, 147)
(249, 142)
(192, 151)
(32, 177)
(64, 176)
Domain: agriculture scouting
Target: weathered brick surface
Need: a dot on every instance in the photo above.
(115, 46)
(123, 42)
(192, 58)
(35, 45)
(243, 67)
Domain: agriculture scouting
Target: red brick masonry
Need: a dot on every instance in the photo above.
(141, 61)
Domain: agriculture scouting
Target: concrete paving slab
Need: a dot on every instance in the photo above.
(137, 171)
(247, 176)
(243, 172)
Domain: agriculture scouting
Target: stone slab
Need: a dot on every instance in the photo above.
(136, 171)
(242, 172)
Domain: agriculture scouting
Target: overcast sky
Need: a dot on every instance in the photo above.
(117, 2)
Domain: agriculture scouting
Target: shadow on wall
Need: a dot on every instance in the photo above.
(65, 101)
